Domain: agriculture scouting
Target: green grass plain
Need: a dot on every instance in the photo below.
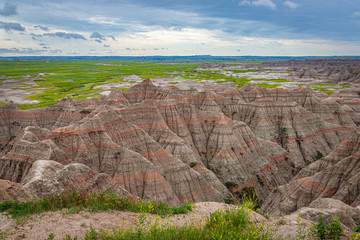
(76, 79)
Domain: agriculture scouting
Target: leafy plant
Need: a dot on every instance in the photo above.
(318, 155)
(193, 164)
(320, 228)
(249, 195)
(332, 230)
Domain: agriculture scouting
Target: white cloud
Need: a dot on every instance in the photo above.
(291, 5)
(245, 3)
(357, 13)
(259, 3)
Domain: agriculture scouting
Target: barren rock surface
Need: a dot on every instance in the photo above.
(335, 176)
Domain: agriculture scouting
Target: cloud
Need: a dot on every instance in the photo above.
(27, 50)
(265, 3)
(106, 45)
(291, 5)
(46, 29)
(97, 40)
(8, 10)
(66, 35)
(245, 3)
(8, 26)
(97, 35)
(258, 3)
(357, 13)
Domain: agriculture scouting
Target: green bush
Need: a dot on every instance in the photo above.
(249, 194)
(332, 230)
(318, 155)
(193, 164)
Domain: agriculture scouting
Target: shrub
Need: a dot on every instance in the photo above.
(229, 199)
(85, 111)
(357, 229)
(230, 184)
(249, 194)
(260, 180)
(332, 230)
(320, 228)
(318, 155)
(193, 164)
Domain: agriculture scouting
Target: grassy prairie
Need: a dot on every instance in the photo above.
(77, 79)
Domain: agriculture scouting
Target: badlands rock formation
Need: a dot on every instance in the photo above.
(335, 176)
(340, 71)
(173, 145)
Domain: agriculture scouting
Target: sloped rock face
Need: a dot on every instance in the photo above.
(47, 178)
(8, 190)
(167, 144)
(328, 207)
(24, 150)
(335, 176)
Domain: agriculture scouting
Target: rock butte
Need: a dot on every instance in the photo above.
(173, 145)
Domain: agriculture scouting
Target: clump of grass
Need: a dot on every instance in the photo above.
(228, 224)
(77, 201)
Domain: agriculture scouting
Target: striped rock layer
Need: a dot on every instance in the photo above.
(167, 144)
(335, 176)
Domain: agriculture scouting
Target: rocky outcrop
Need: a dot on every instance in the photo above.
(340, 70)
(8, 190)
(47, 178)
(328, 207)
(24, 150)
(335, 176)
(172, 145)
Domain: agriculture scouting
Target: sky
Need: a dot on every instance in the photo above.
(181, 27)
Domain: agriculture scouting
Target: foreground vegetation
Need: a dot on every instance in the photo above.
(228, 224)
(222, 224)
(77, 201)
